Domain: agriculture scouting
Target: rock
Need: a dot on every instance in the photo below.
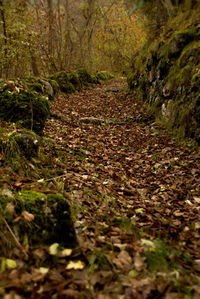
(180, 40)
(74, 79)
(47, 89)
(39, 219)
(63, 81)
(167, 89)
(169, 69)
(92, 120)
(18, 144)
(26, 107)
(104, 76)
(84, 77)
(28, 143)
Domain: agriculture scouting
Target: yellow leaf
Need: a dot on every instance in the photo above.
(11, 263)
(44, 270)
(53, 249)
(66, 252)
(75, 265)
(139, 211)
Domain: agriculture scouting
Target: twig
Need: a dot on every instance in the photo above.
(15, 239)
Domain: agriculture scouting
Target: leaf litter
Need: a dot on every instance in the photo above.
(134, 193)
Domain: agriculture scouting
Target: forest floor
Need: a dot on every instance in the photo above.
(135, 195)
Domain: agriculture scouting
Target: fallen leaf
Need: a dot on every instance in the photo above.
(53, 249)
(123, 261)
(138, 262)
(79, 265)
(27, 216)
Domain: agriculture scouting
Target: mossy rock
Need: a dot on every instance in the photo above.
(34, 86)
(62, 78)
(174, 46)
(132, 80)
(26, 107)
(190, 54)
(41, 219)
(75, 81)
(104, 75)
(95, 79)
(44, 86)
(18, 144)
(54, 85)
(84, 77)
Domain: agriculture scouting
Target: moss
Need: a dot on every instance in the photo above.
(74, 79)
(51, 220)
(26, 107)
(63, 81)
(190, 54)
(168, 70)
(104, 76)
(17, 147)
(54, 85)
(84, 77)
(95, 79)
(179, 77)
(34, 86)
(132, 80)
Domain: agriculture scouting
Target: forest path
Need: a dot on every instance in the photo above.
(134, 193)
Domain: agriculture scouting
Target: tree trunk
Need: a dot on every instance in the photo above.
(5, 37)
(34, 65)
(50, 19)
(68, 41)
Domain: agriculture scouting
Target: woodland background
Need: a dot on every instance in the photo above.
(39, 37)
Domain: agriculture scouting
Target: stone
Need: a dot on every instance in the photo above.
(47, 88)
(28, 143)
(92, 120)
(26, 107)
(39, 219)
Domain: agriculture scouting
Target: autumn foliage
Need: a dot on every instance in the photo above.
(43, 37)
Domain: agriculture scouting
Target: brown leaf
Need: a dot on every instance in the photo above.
(138, 262)
(123, 261)
(27, 216)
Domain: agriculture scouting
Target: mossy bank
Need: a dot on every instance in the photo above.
(166, 75)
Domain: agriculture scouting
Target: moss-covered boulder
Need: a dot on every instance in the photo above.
(44, 86)
(104, 76)
(62, 78)
(84, 77)
(19, 144)
(28, 108)
(166, 75)
(75, 81)
(55, 87)
(37, 218)
(27, 142)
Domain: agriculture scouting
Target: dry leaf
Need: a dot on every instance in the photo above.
(27, 216)
(79, 265)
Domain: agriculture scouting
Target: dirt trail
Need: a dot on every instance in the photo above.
(135, 194)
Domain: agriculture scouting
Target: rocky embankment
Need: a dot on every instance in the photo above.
(166, 75)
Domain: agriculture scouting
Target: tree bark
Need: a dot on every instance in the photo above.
(50, 19)
(5, 64)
